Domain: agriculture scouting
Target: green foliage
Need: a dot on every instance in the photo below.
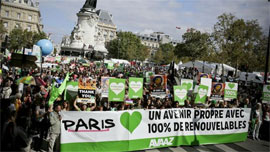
(165, 54)
(195, 45)
(127, 46)
(22, 38)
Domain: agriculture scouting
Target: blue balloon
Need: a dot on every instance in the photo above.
(46, 47)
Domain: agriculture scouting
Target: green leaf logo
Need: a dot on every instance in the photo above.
(231, 85)
(131, 122)
(189, 85)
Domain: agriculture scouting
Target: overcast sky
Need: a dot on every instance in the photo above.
(59, 16)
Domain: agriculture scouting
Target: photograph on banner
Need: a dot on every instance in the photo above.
(207, 82)
(87, 90)
(117, 89)
(218, 90)
(202, 94)
(180, 94)
(105, 86)
(135, 89)
(150, 129)
(188, 83)
(230, 90)
(203, 75)
(266, 94)
(158, 84)
(71, 91)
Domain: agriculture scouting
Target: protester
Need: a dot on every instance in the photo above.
(54, 131)
(27, 113)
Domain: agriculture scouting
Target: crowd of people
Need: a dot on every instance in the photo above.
(29, 122)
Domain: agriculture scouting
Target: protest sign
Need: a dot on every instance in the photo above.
(202, 94)
(86, 90)
(159, 85)
(230, 90)
(109, 65)
(180, 94)
(203, 75)
(148, 75)
(207, 82)
(147, 129)
(135, 88)
(116, 89)
(217, 90)
(266, 94)
(188, 83)
(105, 86)
(71, 91)
(37, 52)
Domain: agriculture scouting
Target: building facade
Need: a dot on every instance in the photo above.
(105, 25)
(153, 41)
(23, 14)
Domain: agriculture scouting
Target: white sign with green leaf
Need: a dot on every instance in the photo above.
(266, 94)
(230, 90)
(188, 83)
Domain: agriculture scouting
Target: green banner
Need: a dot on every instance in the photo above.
(71, 91)
(56, 92)
(135, 88)
(180, 94)
(202, 94)
(266, 94)
(116, 89)
(230, 90)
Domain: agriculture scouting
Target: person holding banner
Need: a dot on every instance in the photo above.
(54, 131)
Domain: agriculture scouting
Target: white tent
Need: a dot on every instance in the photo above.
(199, 65)
(210, 68)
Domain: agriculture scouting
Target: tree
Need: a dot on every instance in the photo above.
(20, 38)
(195, 46)
(236, 40)
(127, 46)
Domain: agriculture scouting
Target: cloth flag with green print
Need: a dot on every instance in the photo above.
(149, 129)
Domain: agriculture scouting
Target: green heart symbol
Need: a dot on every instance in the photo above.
(268, 87)
(188, 85)
(131, 122)
(231, 85)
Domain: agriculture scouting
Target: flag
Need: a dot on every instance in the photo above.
(55, 92)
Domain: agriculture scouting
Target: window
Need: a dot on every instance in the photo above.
(29, 27)
(5, 24)
(7, 13)
(18, 15)
(30, 18)
(17, 25)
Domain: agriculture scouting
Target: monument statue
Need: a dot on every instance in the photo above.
(90, 4)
